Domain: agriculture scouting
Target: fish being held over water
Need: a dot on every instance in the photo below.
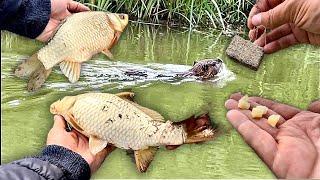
(114, 119)
(78, 38)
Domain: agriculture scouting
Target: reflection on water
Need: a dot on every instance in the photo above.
(290, 76)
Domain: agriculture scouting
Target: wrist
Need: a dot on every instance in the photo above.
(72, 164)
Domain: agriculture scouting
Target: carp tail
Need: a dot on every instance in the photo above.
(34, 69)
(199, 129)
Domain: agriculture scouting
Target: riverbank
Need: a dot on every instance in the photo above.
(220, 14)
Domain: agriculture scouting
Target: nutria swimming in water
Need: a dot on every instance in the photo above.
(206, 68)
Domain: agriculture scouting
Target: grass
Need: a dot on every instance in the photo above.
(186, 13)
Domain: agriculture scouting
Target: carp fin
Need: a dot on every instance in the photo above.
(107, 53)
(37, 78)
(28, 66)
(126, 95)
(153, 114)
(70, 119)
(198, 129)
(144, 157)
(71, 70)
(96, 145)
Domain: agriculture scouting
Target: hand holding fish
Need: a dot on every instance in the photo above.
(60, 9)
(291, 149)
(76, 142)
(290, 21)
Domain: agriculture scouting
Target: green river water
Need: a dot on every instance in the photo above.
(290, 76)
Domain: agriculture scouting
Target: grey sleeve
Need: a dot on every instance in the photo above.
(54, 162)
(30, 169)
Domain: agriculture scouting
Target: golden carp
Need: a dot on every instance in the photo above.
(78, 38)
(114, 119)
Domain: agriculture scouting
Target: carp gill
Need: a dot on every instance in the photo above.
(114, 119)
(78, 38)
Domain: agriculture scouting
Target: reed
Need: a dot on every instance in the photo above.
(186, 13)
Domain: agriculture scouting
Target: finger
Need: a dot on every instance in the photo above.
(106, 151)
(236, 96)
(281, 43)
(272, 18)
(233, 104)
(315, 106)
(261, 6)
(172, 147)
(286, 111)
(274, 35)
(261, 141)
(262, 122)
(75, 7)
(74, 134)
(59, 122)
(256, 33)
(48, 31)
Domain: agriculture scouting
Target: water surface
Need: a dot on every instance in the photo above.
(291, 76)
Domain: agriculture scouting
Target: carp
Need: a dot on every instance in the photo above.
(115, 119)
(76, 40)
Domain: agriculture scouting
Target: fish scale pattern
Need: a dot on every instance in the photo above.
(122, 124)
(80, 37)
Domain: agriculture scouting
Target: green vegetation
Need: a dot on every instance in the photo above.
(187, 13)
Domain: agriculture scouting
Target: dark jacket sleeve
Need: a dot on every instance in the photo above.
(55, 162)
(25, 17)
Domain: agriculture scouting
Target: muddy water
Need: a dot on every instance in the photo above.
(291, 76)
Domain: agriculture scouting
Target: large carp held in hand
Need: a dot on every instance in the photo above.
(78, 38)
(115, 120)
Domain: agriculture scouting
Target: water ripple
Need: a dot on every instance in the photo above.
(99, 73)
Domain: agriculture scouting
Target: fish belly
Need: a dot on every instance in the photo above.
(120, 123)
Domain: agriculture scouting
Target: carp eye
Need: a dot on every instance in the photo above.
(122, 16)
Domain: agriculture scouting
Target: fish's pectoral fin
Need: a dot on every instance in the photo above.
(152, 113)
(107, 53)
(37, 78)
(126, 95)
(71, 70)
(71, 120)
(96, 145)
(144, 157)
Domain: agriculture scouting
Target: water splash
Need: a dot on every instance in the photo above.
(122, 74)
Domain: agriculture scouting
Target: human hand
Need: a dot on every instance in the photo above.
(76, 142)
(290, 21)
(60, 9)
(292, 149)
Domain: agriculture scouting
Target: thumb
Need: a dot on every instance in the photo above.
(59, 122)
(274, 17)
(315, 106)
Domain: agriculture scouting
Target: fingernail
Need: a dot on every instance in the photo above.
(256, 20)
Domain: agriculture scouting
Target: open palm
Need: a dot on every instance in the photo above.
(292, 149)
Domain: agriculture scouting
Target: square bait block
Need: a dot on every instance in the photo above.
(245, 52)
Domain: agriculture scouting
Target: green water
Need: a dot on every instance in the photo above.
(291, 76)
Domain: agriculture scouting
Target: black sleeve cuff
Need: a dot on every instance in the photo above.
(71, 163)
(30, 19)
